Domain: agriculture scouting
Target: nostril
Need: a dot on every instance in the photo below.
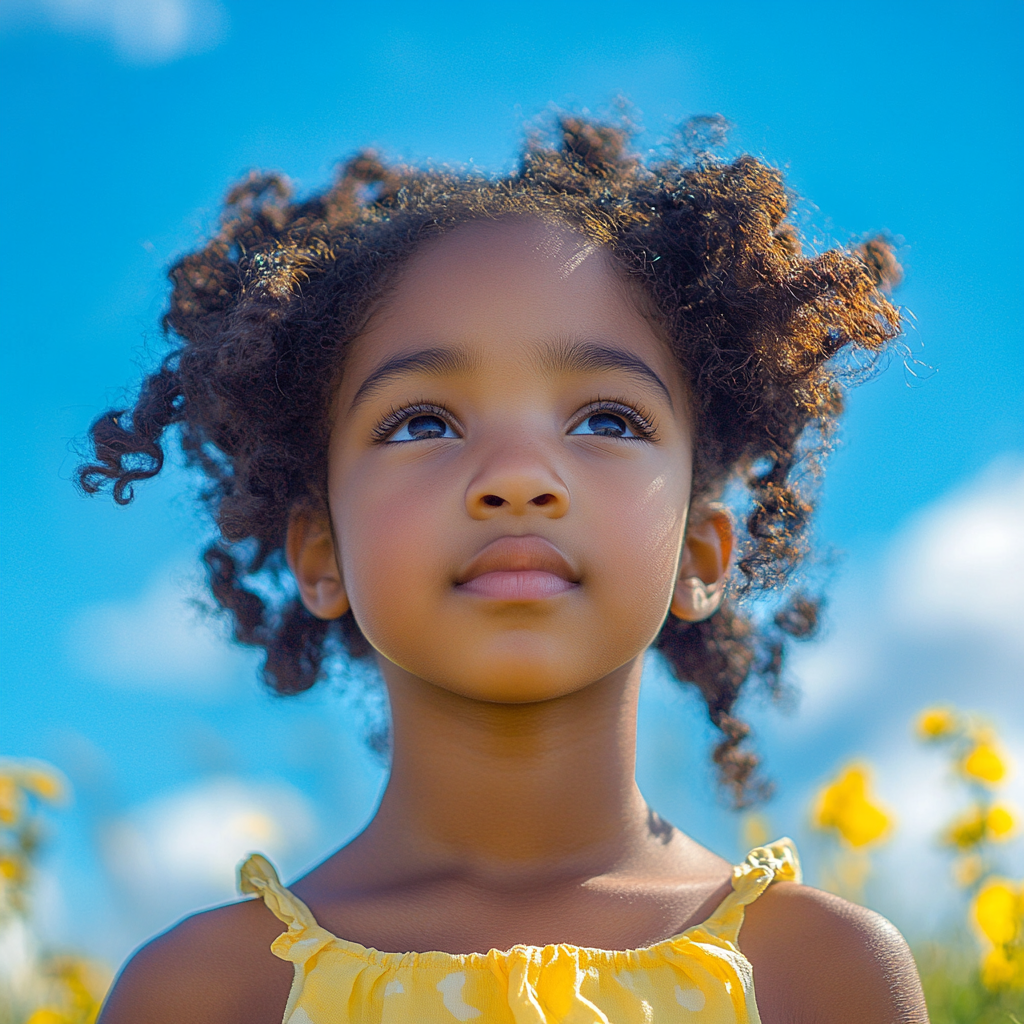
(493, 500)
(543, 499)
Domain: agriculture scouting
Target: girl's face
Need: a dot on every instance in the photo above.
(510, 467)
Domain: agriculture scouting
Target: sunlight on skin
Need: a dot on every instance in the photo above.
(417, 512)
(514, 718)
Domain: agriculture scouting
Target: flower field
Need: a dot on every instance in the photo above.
(973, 975)
(977, 975)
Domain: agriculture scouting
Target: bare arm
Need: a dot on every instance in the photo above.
(821, 960)
(213, 968)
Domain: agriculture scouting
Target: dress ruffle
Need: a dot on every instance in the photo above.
(698, 976)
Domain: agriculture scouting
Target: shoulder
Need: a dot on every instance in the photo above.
(215, 966)
(819, 958)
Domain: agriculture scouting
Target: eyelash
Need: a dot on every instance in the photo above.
(396, 417)
(637, 417)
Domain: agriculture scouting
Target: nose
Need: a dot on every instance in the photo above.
(516, 484)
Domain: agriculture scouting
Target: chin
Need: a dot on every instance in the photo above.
(532, 689)
(504, 679)
(522, 668)
(514, 690)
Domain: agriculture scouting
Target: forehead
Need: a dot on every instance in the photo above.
(511, 266)
(506, 287)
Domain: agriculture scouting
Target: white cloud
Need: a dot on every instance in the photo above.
(19, 954)
(960, 565)
(938, 618)
(831, 672)
(182, 850)
(161, 639)
(141, 31)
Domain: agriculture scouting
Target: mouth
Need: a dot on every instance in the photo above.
(518, 569)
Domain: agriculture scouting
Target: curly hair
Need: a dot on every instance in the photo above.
(261, 317)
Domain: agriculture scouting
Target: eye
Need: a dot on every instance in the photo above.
(422, 427)
(604, 424)
(607, 417)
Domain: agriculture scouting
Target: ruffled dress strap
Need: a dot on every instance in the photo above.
(304, 938)
(764, 865)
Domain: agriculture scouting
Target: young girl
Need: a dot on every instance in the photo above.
(476, 429)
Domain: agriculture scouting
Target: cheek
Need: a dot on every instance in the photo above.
(384, 534)
(641, 538)
(404, 534)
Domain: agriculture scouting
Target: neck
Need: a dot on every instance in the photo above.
(542, 788)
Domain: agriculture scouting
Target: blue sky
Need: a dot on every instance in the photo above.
(125, 123)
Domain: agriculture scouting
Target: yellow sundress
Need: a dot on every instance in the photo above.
(697, 977)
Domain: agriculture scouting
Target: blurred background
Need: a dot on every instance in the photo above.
(123, 124)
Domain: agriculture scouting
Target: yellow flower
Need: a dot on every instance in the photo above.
(936, 723)
(966, 831)
(845, 806)
(48, 1015)
(985, 762)
(82, 985)
(18, 778)
(1000, 822)
(10, 798)
(10, 868)
(999, 912)
(45, 781)
(1003, 967)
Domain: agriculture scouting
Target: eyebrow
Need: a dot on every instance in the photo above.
(435, 362)
(585, 356)
(579, 356)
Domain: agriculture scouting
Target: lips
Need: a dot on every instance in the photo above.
(518, 569)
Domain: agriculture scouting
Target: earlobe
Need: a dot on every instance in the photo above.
(694, 600)
(312, 558)
(704, 566)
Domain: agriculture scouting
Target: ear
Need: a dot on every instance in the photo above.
(312, 558)
(704, 566)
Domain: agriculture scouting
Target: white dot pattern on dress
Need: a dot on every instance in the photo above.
(552, 984)
(450, 987)
(690, 998)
